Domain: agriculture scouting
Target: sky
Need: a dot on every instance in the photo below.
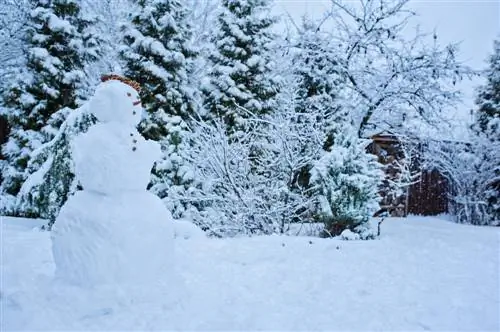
(473, 23)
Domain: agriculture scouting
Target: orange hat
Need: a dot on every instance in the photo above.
(116, 77)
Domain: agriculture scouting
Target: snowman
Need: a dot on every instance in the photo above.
(113, 231)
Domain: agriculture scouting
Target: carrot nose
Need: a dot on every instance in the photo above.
(137, 102)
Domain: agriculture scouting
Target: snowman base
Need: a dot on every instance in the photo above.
(103, 240)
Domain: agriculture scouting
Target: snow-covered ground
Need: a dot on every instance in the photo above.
(422, 274)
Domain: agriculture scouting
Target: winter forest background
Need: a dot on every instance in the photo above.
(258, 129)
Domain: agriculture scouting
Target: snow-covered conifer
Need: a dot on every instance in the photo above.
(57, 48)
(52, 179)
(240, 80)
(488, 98)
(318, 72)
(158, 54)
(346, 180)
(487, 127)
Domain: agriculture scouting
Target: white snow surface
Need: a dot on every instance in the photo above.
(187, 230)
(422, 274)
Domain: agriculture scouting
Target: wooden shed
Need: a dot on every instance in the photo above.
(4, 132)
(427, 192)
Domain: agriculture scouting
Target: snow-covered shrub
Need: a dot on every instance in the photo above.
(346, 179)
(349, 235)
(231, 197)
(470, 168)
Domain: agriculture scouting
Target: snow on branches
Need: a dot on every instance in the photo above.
(391, 78)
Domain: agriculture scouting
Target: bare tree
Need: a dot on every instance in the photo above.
(390, 77)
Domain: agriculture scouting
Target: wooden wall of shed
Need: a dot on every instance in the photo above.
(4, 132)
(389, 151)
(429, 197)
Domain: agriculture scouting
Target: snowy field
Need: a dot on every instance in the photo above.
(422, 274)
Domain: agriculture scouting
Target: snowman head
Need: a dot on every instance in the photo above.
(116, 100)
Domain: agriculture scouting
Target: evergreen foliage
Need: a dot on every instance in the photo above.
(346, 180)
(53, 179)
(487, 126)
(319, 76)
(159, 56)
(57, 48)
(488, 99)
(239, 83)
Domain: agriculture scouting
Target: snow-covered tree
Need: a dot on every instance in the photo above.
(203, 18)
(13, 18)
(487, 129)
(158, 54)
(240, 82)
(469, 176)
(392, 78)
(57, 46)
(315, 65)
(52, 179)
(108, 16)
(489, 170)
(488, 99)
(311, 79)
(291, 143)
(346, 179)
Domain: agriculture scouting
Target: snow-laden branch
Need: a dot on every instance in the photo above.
(388, 75)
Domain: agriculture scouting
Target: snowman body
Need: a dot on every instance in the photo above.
(112, 158)
(114, 230)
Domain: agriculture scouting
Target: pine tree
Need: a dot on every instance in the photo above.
(319, 77)
(316, 73)
(240, 80)
(488, 98)
(487, 125)
(346, 180)
(159, 56)
(57, 48)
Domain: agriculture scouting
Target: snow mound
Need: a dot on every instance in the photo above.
(349, 235)
(187, 230)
